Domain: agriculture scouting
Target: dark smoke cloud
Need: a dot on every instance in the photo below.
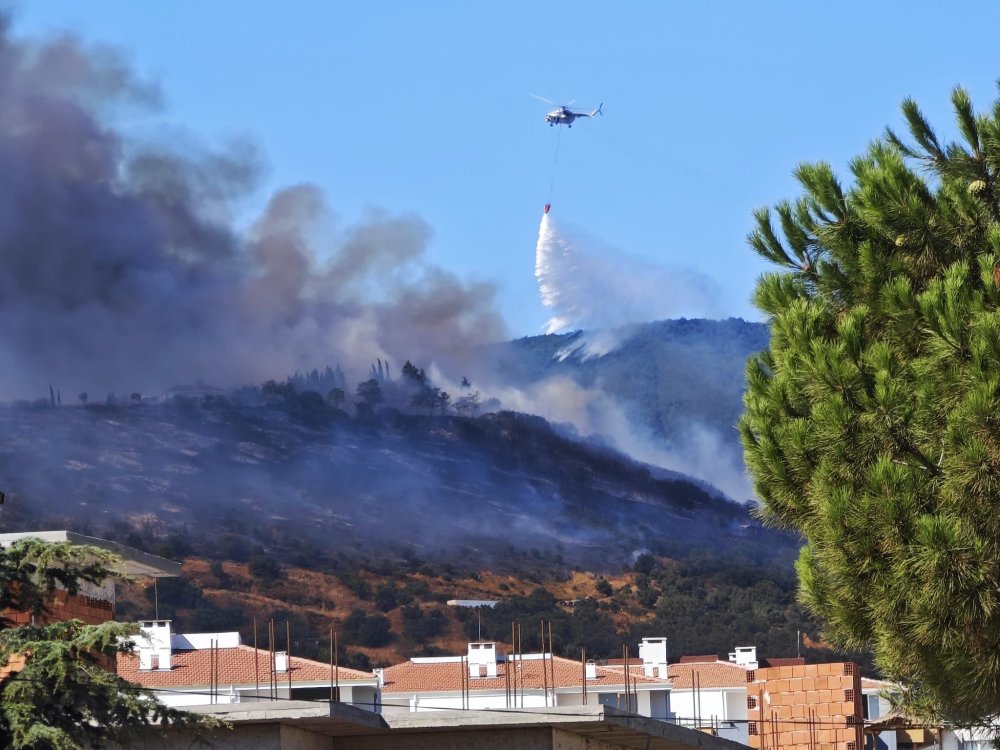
(121, 270)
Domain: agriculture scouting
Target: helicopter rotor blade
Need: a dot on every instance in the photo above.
(542, 99)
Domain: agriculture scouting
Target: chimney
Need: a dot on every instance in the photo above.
(482, 658)
(153, 645)
(653, 652)
(280, 661)
(744, 656)
(591, 670)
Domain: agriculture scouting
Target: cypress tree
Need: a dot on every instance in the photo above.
(872, 421)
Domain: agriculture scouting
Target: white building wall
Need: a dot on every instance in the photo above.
(971, 739)
(725, 708)
(480, 701)
(652, 703)
(363, 696)
(497, 700)
(684, 706)
(642, 703)
(573, 699)
(177, 699)
(736, 705)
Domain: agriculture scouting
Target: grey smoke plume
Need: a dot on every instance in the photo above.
(698, 451)
(120, 267)
(590, 285)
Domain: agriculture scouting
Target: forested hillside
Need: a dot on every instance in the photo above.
(384, 612)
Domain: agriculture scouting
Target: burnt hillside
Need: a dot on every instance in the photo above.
(494, 487)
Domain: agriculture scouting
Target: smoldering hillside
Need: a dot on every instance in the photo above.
(490, 488)
(121, 268)
(676, 385)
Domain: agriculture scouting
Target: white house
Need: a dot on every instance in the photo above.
(485, 678)
(711, 693)
(902, 732)
(204, 668)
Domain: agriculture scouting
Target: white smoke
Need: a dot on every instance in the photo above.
(590, 285)
(699, 452)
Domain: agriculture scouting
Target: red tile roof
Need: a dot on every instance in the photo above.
(635, 671)
(420, 677)
(235, 667)
(717, 674)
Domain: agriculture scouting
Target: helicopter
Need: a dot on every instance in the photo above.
(563, 115)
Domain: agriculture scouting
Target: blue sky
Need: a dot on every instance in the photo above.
(423, 107)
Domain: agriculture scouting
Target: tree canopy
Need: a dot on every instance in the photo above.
(61, 698)
(872, 421)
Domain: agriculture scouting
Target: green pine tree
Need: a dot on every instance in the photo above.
(62, 699)
(872, 421)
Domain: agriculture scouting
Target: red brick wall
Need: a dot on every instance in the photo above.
(66, 607)
(806, 707)
(91, 611)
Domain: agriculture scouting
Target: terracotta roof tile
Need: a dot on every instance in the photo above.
(419, 677)
(236, 667)
(717, 674)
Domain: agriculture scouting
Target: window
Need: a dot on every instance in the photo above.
(751, 703)
(870, 705)
(752, 728)
(614, 700)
